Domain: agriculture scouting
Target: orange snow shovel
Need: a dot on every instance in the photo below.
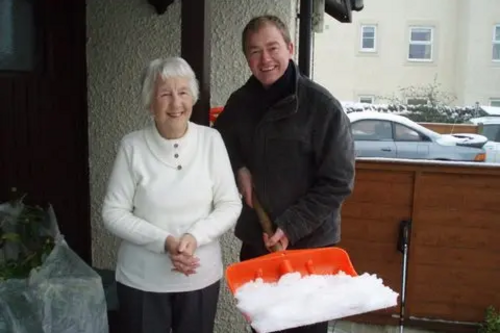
(287, 311)
(321, 261)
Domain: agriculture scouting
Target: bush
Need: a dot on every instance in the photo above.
(421, 113)
(491, 322)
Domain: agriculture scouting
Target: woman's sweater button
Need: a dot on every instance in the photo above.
(179, 167)
(176, 155)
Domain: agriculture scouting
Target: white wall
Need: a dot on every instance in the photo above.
(481, 76)
(123, 36)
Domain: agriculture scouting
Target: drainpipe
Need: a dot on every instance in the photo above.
(305, 37)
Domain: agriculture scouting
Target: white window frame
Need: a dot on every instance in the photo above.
(495, 41)
(371, 97)
(361, 47)
(416, 98)
(410, 42)
(494, 100)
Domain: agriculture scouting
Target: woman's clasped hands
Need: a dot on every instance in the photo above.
(181, 252)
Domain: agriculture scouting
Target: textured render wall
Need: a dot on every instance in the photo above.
(230, 71)
(229, 68)
(122, 37)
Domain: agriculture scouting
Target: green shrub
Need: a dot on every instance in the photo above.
(491, 322)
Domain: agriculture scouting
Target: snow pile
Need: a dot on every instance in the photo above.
(296, 301)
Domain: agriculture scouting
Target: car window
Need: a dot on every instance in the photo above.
(403, 133)
(492, 132)
(372, 130)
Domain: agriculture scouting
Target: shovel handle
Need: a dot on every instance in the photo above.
(265, 221)
(404, 235)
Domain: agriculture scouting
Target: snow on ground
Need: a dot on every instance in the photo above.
(296, 301)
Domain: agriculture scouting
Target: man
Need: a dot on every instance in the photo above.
(290, 141)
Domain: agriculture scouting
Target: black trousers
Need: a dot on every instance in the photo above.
(184, 312)
(250, 252)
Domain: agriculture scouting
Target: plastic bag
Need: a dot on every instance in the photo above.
(63, 295)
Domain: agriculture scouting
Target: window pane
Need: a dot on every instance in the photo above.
(368, 43)
(416, 101)
(404, 133)
(420, 35)
(496, 51)
(368, 32)
(420, 51)
(372, 130)
(497, 33)
(366, 99)
(17, 35)
(492, 132)
(495, 103)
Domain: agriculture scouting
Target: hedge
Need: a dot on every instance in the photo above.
(421, 113)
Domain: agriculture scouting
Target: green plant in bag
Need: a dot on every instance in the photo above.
(25, 241)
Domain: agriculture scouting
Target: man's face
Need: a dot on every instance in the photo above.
(268, 54)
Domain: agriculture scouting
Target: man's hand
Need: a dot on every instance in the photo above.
(244, 178)
(183, 262)
(279, 238)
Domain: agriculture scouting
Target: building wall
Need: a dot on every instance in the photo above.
(122, 38)
(481, 74)
(462, 50)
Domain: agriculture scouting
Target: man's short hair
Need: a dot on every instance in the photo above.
(258, 22)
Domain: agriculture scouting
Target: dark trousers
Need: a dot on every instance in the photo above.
(184, 312)
(250, 252)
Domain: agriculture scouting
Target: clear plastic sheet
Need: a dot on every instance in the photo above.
(63, 295)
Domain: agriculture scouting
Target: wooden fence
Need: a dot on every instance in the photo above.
(454, 252)
(452, 128)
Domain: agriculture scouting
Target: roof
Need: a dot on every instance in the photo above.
(491, 110)
(485, 120)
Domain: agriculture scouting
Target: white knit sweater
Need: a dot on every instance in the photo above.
(162, 187)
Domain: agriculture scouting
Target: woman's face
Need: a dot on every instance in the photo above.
(172, 106)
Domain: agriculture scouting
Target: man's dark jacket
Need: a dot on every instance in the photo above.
(300, 153)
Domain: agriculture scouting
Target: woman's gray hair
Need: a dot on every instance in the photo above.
(167, 68)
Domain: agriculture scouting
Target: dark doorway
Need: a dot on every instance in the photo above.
(43, 111)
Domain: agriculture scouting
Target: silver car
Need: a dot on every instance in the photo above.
(388, 135)
(490, 129)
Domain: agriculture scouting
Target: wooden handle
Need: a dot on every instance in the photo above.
(265, 221)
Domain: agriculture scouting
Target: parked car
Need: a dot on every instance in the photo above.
(490, 128)
(388, 135)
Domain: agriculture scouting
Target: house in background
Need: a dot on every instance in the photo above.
(400, 43)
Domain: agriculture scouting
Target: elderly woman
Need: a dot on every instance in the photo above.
(171, 195)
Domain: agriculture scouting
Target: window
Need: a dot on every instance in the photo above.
(495, 102)
(496, 43)
(368, 38)
(492, 132)
(420, 48)
(403, 133)
(416, 101)
(17, 35)
(372, 130)
(366, 99)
